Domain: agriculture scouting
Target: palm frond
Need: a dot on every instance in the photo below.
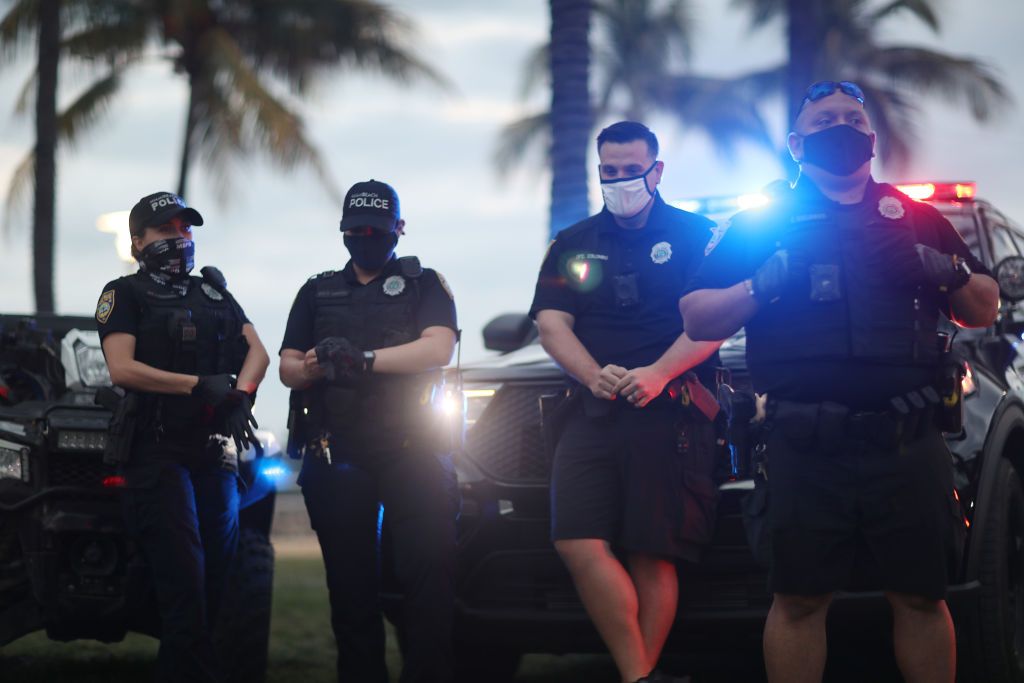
(26, 95)
(958, 79)
(723, 108)
(19, 190)
(892, 115)
(519, 138)
(106, 41)
(536, 70)
(922, 9)
(88, 107)
(761, 11)
(18, 28)
(300, 39)
(245, 116)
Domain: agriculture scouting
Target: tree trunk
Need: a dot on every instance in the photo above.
(804, 33)
(571, 113)
(190, 125)
(46, 149)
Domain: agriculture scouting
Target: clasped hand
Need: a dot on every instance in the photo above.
(639, 386)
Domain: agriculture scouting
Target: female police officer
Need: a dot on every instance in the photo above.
(175, 342)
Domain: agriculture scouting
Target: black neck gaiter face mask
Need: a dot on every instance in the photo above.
(840, 150)
(169, 261)
(371, 252)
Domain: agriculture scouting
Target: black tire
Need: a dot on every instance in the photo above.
(242, 635)
(494, 665)
(996, 633)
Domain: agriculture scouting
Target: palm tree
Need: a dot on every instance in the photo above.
(640, 52)
(234, 53)
(570, 118)
(231, 51)
(838, 40)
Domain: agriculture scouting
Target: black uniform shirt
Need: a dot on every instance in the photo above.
(623, 286)
(436, 306)
(751, 239)
(119, 309)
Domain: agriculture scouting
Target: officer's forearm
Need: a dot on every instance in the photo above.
(716, 314)
(976, 304)
(138, 376)
(291, 370)
(564, 346)
(431, 351)
(683, 355)
(257, 360)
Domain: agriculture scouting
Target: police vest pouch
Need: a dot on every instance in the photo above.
(825, 282)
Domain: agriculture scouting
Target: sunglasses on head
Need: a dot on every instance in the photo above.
(821, 89)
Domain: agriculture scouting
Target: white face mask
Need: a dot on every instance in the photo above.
(626, 197)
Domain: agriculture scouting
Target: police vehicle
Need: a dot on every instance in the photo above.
(66, 563)
(515, 596)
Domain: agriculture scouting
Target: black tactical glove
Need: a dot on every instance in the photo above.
(941, 271)
(776, 275)
(340, 359)
(239, 421)
(214, 390)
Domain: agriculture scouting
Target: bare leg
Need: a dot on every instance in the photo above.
(794, 638)
(657, 590)
(610, 599)
(925, 642)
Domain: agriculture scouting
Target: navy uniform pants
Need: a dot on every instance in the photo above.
(181, 507)
(419, 497)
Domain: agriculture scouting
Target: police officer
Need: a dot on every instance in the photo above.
(841, 283)
(183, 346)
(364, 347)
(625, 476)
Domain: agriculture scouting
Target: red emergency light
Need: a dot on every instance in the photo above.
(115, 481)
(947, 192)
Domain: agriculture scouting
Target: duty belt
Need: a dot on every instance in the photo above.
(829, 424)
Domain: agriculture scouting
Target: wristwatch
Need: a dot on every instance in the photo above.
(963, 271)
(368, 358)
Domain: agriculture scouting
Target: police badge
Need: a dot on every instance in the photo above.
(394, 285)
(661, 252)
(891, 208)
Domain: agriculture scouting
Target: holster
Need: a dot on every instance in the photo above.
(298, 425)
(125, 409)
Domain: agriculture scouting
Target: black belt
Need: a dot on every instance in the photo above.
(830, 424)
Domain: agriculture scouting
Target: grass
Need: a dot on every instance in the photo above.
(301, 646)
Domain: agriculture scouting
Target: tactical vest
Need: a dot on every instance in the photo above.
(849, 307)
(377, 315)
(196, 334)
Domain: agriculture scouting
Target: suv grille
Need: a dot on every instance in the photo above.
(76, 469)
(507, 441)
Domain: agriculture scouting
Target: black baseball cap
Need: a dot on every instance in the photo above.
(158, 208)
(371, 203)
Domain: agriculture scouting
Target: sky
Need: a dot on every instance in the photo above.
(484, 233)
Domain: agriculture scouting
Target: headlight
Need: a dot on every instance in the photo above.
(80, 440)
(82, 358)
(13, 461)
(477, 399)
(92, 367)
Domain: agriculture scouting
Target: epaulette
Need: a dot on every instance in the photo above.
(326, 273)
(213, 276)
(410, 266)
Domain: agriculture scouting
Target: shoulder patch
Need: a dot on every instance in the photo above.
(444, 285)
(105, 306)
(547, 252)
(718, 231)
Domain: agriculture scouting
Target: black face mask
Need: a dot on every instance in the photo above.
(371, 252)
(840, 150)
(171, 258)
